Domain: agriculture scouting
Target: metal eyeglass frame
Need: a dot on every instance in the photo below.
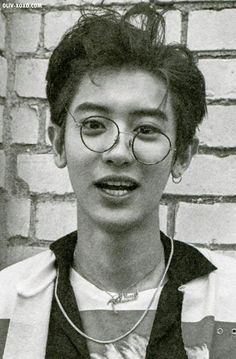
(131, 142)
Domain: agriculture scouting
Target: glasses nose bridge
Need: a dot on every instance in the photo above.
(130, 134)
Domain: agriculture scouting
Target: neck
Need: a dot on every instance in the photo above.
(114, 260)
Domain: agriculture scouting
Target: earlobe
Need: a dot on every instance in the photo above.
(183, 161)
(56, 137)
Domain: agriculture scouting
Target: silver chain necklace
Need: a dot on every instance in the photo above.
(135, 325)
(123, 296)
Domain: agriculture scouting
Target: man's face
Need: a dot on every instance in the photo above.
(112, 188)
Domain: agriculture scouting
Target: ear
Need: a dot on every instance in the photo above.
(182, 161)
(56, 136)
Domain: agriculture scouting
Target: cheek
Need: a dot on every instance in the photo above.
(73, 145)
(79, 163)
(158, 175)
(78, 159)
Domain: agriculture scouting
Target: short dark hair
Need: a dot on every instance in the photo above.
(109, 39)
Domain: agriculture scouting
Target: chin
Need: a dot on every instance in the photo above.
(118, 223)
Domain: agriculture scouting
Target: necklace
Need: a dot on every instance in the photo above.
(135, 325)
(123, 296)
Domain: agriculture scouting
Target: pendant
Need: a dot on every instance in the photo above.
(122, 298)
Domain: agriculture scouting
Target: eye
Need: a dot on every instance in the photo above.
(94, 126)
(147, 130)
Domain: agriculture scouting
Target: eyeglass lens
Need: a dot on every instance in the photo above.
(99, 134)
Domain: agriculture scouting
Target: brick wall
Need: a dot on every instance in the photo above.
(35, 195)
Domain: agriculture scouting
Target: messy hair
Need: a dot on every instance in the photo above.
(136, 39)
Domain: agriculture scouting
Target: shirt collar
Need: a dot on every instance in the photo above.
(187, 262)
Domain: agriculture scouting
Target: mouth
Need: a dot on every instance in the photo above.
(116, 185)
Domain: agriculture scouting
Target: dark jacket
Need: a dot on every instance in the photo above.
(195, 318)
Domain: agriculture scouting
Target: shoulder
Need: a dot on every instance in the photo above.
(224, 261)
(209, 308)
(13, 276)
(23, 268)
(212, 294)
(221, 282)
(224, 273)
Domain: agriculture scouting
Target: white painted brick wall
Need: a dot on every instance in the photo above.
(48, 121)
(206, 223)
(219, 1)
(24, 125)
(163, 217)
(173, 26)
(207, 174)
(212, 30)
(3, 199)
(42, 175)
(25, 30)
(187, 1)
(1, 123)
(55, 219)
(62, 2)
(2, 168)
(49, 214)
(220, 76)
(56, 23)
(19, 253)
(218, 127)
(3, 72)
(30, 77)
(109, 2)
(2, 30)
(18, 217)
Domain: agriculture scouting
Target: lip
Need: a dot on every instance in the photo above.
(116, 186)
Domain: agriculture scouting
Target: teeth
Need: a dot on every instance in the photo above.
(117, 187)
(116, 192)
(119, 183)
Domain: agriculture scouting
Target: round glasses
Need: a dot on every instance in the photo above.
(148, 144)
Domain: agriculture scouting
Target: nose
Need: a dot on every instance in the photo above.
(121, 152)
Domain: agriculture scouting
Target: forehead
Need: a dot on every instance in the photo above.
(122, 91)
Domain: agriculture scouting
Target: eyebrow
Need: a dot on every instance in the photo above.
(155, 112)
(152, 112)
(90, 106)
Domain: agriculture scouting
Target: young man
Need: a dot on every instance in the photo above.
(124, 109)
